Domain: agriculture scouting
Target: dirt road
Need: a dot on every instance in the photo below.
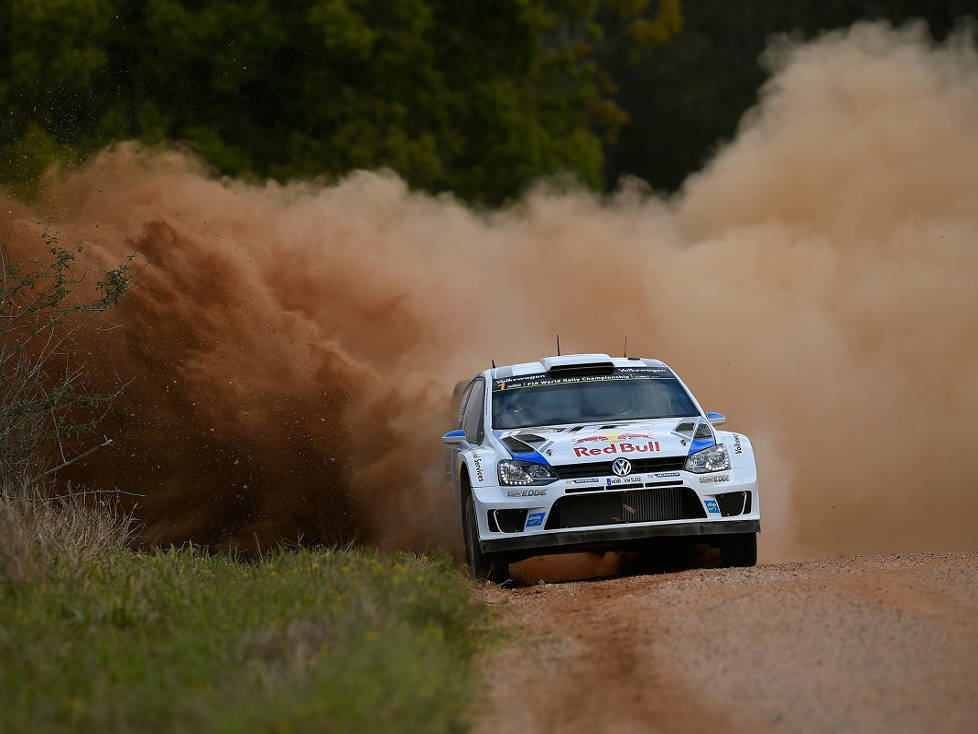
(854, 643)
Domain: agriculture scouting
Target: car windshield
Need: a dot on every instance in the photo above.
(522, 403)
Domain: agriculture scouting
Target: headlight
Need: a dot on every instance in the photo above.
(714, 458)
(521, 473)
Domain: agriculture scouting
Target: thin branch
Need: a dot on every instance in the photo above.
(107, 442)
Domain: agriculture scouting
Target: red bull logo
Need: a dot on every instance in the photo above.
(612, 437)
(621, 447)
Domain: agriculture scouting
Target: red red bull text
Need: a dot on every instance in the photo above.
(619, 448)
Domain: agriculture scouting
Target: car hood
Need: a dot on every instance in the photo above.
(596, 442)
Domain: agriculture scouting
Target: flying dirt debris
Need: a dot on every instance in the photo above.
(291, 346)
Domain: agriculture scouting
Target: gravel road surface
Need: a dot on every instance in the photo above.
(853, 643)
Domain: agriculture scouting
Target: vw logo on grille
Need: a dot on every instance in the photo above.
(622, 467)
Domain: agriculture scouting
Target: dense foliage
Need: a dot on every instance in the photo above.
(684, 98)
(475, 98)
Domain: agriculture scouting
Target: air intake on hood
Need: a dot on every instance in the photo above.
(516, 446)
(703, 430)
(531, 438)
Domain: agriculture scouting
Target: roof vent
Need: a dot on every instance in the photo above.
(578, 364)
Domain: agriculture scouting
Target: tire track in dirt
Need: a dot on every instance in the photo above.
(854, 643)
(578, 662)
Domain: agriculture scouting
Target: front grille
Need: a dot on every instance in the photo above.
(616, 508)
(575, 488)
(603, 468)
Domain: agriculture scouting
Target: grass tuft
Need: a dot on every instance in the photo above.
(41, 533)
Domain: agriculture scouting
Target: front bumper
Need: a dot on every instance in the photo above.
(568, 540)
(558, 516)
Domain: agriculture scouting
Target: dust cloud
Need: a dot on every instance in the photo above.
(292, 348)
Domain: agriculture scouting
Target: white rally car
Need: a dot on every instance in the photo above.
(587, 451)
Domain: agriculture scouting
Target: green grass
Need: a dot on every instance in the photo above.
(299, 641)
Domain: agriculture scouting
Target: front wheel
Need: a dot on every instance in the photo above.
(483, 566)
(739, 550)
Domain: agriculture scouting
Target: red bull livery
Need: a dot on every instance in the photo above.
(587, 451)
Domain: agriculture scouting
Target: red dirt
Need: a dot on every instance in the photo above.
(854, 643)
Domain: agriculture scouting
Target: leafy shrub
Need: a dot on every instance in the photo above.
(47, 413)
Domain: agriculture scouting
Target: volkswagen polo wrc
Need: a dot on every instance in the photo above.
(587, 451)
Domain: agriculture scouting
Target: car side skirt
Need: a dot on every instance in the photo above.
(608, 537)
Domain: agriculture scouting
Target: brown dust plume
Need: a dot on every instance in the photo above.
(292, 348)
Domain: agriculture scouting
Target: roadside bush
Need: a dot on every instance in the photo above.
(47, 413)
(45, 408)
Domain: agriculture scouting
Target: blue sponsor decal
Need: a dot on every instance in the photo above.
(535, 519)
(534, 456)
(711, 507)
(699, 444)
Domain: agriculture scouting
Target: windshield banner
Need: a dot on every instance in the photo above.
(621, 373)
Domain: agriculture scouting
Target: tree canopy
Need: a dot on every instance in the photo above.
(475, 98)
(686, 97)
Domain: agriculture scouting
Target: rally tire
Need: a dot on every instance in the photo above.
(739, 550)
(483, 566)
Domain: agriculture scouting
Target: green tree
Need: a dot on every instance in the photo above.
(685, 98)
(53, 55)
(475, 98)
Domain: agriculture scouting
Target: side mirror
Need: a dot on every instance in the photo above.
(716, 419)
(455, 438)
